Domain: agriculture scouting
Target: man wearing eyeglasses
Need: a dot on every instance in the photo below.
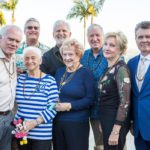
(32, 32)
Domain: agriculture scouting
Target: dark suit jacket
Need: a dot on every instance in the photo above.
(51, 61)
(141, 101)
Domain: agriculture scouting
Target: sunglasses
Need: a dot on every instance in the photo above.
(31, 27)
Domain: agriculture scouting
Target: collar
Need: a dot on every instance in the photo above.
(26, 45)
(99, 52)
(56, 49)
(147, 57)
(2, 55)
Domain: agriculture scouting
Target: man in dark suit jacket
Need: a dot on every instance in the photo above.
(140, 78)
(52, 59)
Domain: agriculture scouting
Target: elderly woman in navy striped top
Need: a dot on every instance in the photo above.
(36, 95)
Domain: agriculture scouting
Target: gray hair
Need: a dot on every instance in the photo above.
(31, 19)
(33, 49)
(95, 26)
(61, 22)
(142, 25)
(4, 30)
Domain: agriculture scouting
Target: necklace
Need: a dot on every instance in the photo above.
(8, 69)
(64, 79)
(108, 70)
(34, 89)
(93, 68)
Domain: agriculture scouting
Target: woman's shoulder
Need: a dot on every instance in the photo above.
(49, 78)
(86, 71)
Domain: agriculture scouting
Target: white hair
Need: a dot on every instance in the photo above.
(33, 49)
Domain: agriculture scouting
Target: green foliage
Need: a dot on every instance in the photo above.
(2, 19)
(84, 9)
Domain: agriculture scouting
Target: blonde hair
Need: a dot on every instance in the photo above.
(69, 43)
(121, 40)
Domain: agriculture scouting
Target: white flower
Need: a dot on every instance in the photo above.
(126, 80)
(105, 78)
(112, 70)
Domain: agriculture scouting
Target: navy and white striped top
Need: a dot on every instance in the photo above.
(35, 98)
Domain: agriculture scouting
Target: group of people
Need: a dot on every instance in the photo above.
(61, 91)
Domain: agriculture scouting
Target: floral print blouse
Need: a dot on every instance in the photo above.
(114, 87)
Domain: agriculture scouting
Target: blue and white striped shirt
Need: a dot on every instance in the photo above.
(35, 98)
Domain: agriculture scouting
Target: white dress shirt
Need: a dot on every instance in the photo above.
(146, 63)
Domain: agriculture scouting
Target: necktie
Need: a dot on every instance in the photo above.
(141, 72)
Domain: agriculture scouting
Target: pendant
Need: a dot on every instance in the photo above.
(63, 83)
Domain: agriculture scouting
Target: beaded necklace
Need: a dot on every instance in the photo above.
(93, 68)
(11, 74)
(64, 80)
(34, 90)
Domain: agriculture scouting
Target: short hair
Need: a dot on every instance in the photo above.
(5, 30)
(142, 25)
(121, 40)
(31, 19)
(61, 22)
(67, 44)
(33, 49)
(95, 26)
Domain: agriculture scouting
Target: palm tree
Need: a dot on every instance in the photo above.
(79, 10)
(94, 7)
(82, 9)
(2, 19)
(11, 6)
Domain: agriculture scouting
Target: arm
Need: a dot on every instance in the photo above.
(47, 114)
(44, 65)
(124, 88)
(87, 100)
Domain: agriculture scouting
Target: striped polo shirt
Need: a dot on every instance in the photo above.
(35, 97)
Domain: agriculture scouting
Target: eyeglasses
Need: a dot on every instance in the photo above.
(31, 27)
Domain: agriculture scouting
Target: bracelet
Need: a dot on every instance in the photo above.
(37, 122)
(115, 132)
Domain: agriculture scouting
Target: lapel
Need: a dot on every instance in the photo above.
(134, 72)
(146, 78)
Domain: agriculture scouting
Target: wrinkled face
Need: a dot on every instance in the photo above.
(70, 57)
(10, 42)
(143, 40)
(32, 30)
(95, 38)
(110, 49)
(32, 61)
(60, 34)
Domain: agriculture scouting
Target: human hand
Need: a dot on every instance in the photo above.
(28, 125)
(113, 138)
(63, 106)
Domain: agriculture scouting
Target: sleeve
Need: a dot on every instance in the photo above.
(124, 88)
(49, 113)
(88, 99)
(44, 65)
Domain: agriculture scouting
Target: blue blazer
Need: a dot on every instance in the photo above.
(140, 100)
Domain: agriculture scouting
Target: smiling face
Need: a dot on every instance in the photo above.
(111, 50)
(32, 30)
(143, 40)
(70, 58)
(32, 61)
(61, 33)
(95, 38)
(10, 41)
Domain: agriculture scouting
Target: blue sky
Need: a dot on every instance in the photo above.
(116, 15)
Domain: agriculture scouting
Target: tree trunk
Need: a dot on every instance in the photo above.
(84, 32)
(13, 17)
(92, 19)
